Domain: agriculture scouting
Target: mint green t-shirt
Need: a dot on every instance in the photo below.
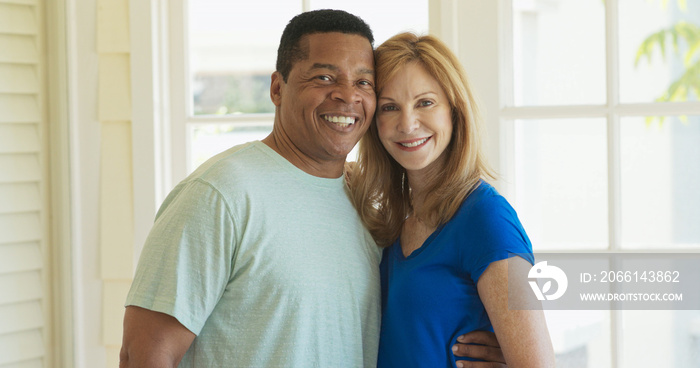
(267, 265)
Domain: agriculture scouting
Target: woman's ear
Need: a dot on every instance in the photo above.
(276, 88)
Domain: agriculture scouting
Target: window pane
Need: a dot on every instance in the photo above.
(660, 181)
(666, 338)
(656, 60)
(561, 182)
(386, 17)
(206, 140)
(581, 339)
(232, 51)
(559, 52)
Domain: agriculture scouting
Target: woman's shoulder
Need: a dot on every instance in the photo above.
(489, 228)
(484, 200)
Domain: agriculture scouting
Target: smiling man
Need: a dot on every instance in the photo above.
(258, 258)
(325, 103)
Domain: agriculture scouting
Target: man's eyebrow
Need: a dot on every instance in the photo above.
(324, 66)
(335, 68)
(367, 71)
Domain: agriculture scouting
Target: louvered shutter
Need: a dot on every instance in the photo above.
(22, 179)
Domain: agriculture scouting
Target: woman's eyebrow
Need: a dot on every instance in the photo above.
(414, 97)
(424, 93)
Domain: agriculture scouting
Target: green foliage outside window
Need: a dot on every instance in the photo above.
(682, 32)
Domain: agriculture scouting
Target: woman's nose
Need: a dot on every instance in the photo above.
(408, 122)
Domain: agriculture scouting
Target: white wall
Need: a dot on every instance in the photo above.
(103, 251)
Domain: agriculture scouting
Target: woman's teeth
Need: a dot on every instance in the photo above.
(414, 144)
(342, 121)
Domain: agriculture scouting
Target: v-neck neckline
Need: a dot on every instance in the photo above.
(419, 250)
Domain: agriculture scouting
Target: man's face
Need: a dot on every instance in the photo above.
(328, 101)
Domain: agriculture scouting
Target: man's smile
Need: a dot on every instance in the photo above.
(340, 120)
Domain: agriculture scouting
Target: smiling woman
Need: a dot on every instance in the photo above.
(450, 238)
(414, 115)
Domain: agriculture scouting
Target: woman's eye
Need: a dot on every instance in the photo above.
(388, 108)
(425, 103)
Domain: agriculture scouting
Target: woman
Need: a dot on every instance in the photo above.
(419, 187)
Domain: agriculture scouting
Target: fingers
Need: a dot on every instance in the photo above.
(468, 364)
(483, 352)
(479, 337)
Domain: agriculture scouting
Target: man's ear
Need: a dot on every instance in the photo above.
(276, 88)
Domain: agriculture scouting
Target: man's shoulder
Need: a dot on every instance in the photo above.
(236, 164)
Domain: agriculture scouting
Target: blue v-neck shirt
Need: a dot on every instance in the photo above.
(430, 297)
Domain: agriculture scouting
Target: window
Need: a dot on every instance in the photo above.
(602, 113)
(231, 53)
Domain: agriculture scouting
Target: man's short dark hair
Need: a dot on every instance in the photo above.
(316, 21)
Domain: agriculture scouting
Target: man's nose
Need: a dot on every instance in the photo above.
(346, 92)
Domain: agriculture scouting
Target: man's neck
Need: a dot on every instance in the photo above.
(286, 149)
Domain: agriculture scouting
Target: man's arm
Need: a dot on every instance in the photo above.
(479, 345)
(152, 339)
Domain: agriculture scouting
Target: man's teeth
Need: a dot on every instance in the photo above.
(342, 121)
(414, 144)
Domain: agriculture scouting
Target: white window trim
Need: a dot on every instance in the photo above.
(64, 200)
(150, 112)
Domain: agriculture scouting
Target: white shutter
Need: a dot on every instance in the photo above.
(23, 206)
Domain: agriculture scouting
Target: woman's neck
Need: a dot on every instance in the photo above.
(420, 182)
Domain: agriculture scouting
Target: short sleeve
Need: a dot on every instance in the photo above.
(186, 261)
(493, 232)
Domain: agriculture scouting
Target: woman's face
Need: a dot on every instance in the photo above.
(414, 119)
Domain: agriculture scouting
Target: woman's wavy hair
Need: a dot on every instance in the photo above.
(380, 187)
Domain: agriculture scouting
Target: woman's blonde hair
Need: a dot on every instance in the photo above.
(380, 188)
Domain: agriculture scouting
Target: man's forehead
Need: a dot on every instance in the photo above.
(329, 50)
(339, 42)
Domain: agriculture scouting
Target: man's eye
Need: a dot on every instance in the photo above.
(324, 78)
(365, 83)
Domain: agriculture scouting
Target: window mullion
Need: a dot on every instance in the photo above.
(180, 103)
(614, 161)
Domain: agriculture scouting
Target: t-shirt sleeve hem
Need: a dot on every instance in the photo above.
(499, 256)
(167, 308)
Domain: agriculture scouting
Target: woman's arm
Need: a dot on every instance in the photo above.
(522, 334)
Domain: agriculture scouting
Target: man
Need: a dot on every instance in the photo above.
(258, 258)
